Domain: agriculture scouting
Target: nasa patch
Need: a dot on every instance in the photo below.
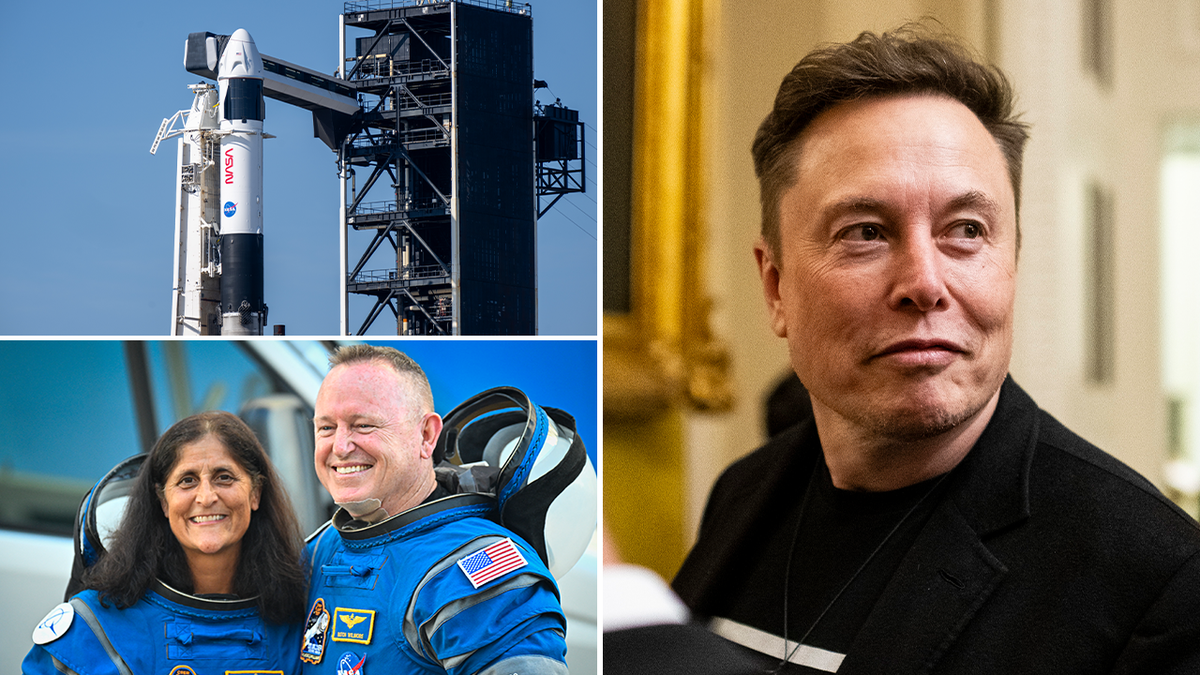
(230, 209)
(351, 664)
(54, 625)
(312, 648)
(353, 625)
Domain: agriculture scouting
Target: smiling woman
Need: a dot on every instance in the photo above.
(208, 498)
(205, 565)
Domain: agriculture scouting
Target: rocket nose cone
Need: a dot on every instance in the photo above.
(240, 57)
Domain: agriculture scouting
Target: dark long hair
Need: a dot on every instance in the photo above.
(144, 548)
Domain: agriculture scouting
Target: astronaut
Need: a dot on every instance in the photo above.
(414, 572)
(169, 590)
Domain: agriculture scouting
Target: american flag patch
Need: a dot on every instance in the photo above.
(494, 561)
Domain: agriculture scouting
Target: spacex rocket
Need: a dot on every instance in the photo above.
(218, 287)
(240, 83)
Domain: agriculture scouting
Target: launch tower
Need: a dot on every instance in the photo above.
(441, 166)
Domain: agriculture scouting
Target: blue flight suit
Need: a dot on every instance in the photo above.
(167, 632)
(392, 597)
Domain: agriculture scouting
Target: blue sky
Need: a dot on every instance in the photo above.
(88, 211)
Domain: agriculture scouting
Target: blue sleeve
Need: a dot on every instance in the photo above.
(78, 650)
(517, 616)
(542, 652)
(519, 622)
(38, 662)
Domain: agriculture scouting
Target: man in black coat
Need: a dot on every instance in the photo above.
(929, 518)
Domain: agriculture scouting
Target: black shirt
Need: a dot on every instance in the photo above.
(831, 556)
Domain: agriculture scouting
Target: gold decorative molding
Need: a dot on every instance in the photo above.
(662, 353)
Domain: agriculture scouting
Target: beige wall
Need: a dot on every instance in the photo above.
(1080, 130)
(1113, 134)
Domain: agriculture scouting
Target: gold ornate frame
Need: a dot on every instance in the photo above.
(662, 352)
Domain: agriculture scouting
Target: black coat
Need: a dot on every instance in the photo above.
(1044, 555)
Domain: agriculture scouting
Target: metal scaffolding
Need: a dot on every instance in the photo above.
(439, 166)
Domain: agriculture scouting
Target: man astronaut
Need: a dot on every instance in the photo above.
(410, 577)
(929, 517)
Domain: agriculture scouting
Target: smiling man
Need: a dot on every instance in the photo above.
(929, 517)
(411, 577)
(375, 431)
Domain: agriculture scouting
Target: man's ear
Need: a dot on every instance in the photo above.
(768, 271)
(431, 428)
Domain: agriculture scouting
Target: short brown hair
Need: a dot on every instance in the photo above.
(909, 60)
(400, 362)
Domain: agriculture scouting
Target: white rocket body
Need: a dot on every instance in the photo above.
(240, 175)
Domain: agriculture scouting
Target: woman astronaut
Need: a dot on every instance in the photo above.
(203, 574)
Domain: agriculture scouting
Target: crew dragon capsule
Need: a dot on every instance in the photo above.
(242, 109)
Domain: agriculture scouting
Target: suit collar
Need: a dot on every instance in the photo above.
(942, 582)
(949, 573)
(991, 485)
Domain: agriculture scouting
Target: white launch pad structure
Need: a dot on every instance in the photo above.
(196, 290)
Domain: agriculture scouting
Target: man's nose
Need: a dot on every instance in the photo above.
(918, 275)
(341, 440)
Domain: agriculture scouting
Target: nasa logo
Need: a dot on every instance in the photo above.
(351, 664)
(230, 209)
(229, 166)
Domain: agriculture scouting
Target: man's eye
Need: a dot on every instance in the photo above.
(864, 232)
(968, 230)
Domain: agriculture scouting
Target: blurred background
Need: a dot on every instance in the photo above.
(1107, 320)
